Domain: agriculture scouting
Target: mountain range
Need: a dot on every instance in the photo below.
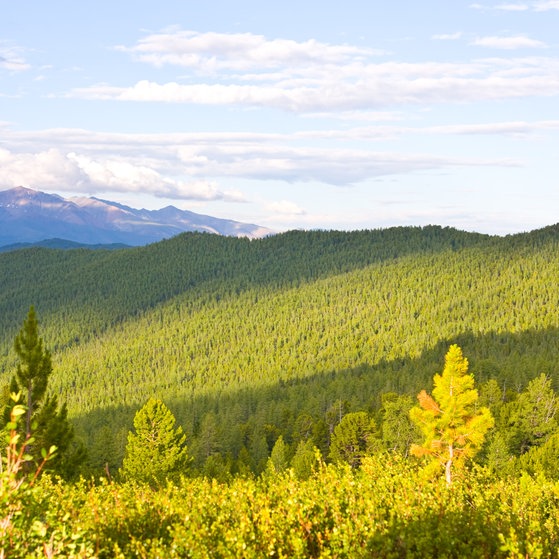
(28, 216)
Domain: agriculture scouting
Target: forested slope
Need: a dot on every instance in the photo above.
(80, 292)
(247, 340)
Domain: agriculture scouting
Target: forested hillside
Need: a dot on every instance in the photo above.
(250, 341)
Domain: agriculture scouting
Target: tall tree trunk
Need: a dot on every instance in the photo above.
(448, 473)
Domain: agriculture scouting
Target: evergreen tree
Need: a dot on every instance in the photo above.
(543, 459)
(453, 427)
(45, 422)
(398, 431)
(305, 460)
(34, 368)
(207, 443)
(497, 456)
(353, 438)
(533, 415)
(157, 450)
(278, 461)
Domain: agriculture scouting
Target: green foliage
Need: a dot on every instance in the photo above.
(542, 459)
(354, 438)
(34, 367)
(279, 458)
(46, 425)
(384, 509)
(306, 460)
(398, 431)
(157, 451)
(255, 334)
(532, 417)
(21, 529)
(268, 351)
(453, 427)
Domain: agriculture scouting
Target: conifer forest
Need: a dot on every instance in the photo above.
(384, 393)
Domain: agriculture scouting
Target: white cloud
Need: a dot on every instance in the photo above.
(382, 133)
(508, 43)
(516, 128)
(376, 87)
(52, 169)
(448, 36)
(217, 52)
(191, 166)
(339, 167)
(512, 7)
(362, 116)
(546, 5)
(311, 78)
(285, 208)
(11, 58)
(47, 169)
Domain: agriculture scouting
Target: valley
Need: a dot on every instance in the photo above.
(260, 348)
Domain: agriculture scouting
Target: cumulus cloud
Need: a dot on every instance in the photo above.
(48, 169)
(192, 166)
(508, 43)
(387, 85)
(53, 169)
(218, 52)
(247, 70)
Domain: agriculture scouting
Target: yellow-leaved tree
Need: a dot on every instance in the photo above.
(453, 426)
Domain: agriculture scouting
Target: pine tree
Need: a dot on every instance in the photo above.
(353, 438)
(157, 451)
(45, 422)
(533, 417)
(398, 431)
(278, 461)
(453, 427)
(34, 368)
(305, 460)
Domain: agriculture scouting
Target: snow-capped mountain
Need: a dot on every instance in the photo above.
(29, 216)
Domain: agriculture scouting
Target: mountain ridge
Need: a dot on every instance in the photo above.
(248, 339)
(32, 216)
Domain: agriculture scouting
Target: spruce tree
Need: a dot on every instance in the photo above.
(305, 460)
(34, 368)
(278, 461)
(398, 431)
(354, 438)
(45, 422)
(157, 451)
(453, 426)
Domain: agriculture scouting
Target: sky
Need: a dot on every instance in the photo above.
(359, 114)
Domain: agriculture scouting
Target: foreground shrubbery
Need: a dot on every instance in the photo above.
(384, 509)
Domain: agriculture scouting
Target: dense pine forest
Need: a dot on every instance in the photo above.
(290, 365)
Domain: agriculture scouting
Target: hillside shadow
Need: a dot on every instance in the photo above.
(510, 358)
(98, 290)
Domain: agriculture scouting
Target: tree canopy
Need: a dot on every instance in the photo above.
(453, 426)
(157, 450)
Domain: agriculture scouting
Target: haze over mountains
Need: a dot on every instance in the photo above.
(30, 216)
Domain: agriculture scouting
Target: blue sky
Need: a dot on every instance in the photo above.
(332, 115)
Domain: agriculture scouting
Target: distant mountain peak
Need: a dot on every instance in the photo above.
(21, 195)
(29, 216)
